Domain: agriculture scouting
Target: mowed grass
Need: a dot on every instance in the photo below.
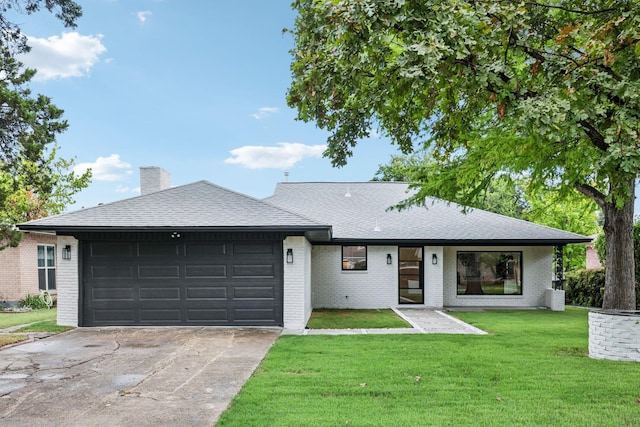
(532, 370)
(8, 319)
(46, 323)
(355, 319)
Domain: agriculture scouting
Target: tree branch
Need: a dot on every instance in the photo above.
(594, 135)
(565, 9)
(592, 193)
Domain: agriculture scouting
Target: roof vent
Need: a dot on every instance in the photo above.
(377, 227)
(348, 193)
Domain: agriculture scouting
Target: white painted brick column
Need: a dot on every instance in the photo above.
(67, 282)
(554, 299)
(297, 283)
(433, 277)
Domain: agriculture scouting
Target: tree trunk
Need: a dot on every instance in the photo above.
(619, 289)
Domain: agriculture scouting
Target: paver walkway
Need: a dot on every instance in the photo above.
(437, 322)
(423, 321)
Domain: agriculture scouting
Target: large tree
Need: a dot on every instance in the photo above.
(548, 89)
(34, 182)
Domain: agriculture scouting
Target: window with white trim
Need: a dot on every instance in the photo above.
(46, 267)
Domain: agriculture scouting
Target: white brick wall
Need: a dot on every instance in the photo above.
(614, 337)
(554, 299)
(297, 283)
(67, 278)
(433, 280)
(536, 278)
(153, 178)
(377, 287)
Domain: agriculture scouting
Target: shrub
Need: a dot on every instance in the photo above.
(33, 301)
(585, 287)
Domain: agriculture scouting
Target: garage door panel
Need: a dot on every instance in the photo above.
(207, 293)
(206, 271)
(255, 314)
(111, 249)
(205, 315)
(253, 248)
(158, 271)
(154, 294)
(254, 293)
(113, 294)
(169, 283)
(205, 249)
(111, 272)
(257, 271)
(114, 317)
(161, 316)
(157, 249)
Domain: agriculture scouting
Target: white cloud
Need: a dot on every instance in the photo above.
(125, 189)
(264, 112)
(67, 55)
(105, 168)
(143, 15)
(284, 156)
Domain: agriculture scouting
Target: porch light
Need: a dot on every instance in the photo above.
(289, 256)
(434, 259)
(66, 252)
(389, 261)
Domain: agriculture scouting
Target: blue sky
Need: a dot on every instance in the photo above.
(197, 88)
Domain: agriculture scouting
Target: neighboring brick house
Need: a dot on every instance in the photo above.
(200, 254)
(29, 267)
(593, 261)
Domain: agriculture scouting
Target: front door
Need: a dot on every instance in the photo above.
(410, 276)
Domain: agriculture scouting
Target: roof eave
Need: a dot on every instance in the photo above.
(463, 242)
(59, 229)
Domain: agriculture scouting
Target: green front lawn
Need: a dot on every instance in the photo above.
(46, 323)
(532, 369)
(8, 319)
(355, 319)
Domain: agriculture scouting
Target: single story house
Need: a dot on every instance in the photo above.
(28, 268)
(200, 254)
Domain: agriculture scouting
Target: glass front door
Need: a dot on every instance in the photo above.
(410, 276)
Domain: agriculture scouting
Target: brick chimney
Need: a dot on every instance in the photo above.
(153, 178)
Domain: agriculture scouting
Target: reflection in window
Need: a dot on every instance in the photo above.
(489, 273)
(354, 257)
(46, 267)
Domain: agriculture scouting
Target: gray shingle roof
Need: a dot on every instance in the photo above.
(364, 215)
(198, 205)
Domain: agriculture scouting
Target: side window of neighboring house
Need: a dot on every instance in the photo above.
(46, 267)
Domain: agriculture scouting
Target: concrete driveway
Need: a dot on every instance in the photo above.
(130, 376)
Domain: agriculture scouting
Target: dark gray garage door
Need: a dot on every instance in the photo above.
(191, 283)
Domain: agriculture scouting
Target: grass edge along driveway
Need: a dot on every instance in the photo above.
(533, 369)
(39, 320)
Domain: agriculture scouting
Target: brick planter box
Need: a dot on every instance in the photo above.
(614, 335)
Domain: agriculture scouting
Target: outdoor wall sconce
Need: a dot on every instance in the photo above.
(289, 256)
(434, 259)
(66, 252)
(389, 261)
